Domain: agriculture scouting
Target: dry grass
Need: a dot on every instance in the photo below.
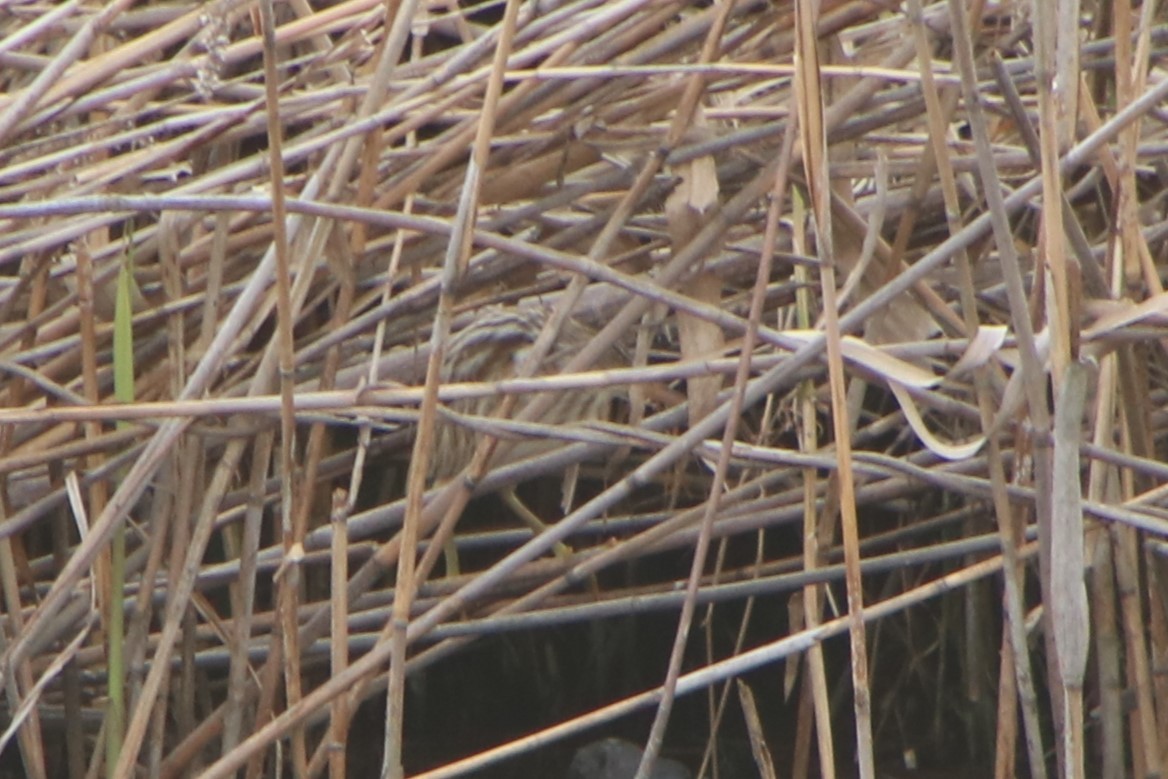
(904, 351)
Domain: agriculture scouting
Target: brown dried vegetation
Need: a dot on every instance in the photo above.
(886, 283)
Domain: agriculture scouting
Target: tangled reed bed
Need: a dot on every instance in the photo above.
(233, 263)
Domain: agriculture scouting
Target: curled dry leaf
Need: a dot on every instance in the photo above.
(902, 375)
(984, 345)
(917, 423)
(876, 360)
